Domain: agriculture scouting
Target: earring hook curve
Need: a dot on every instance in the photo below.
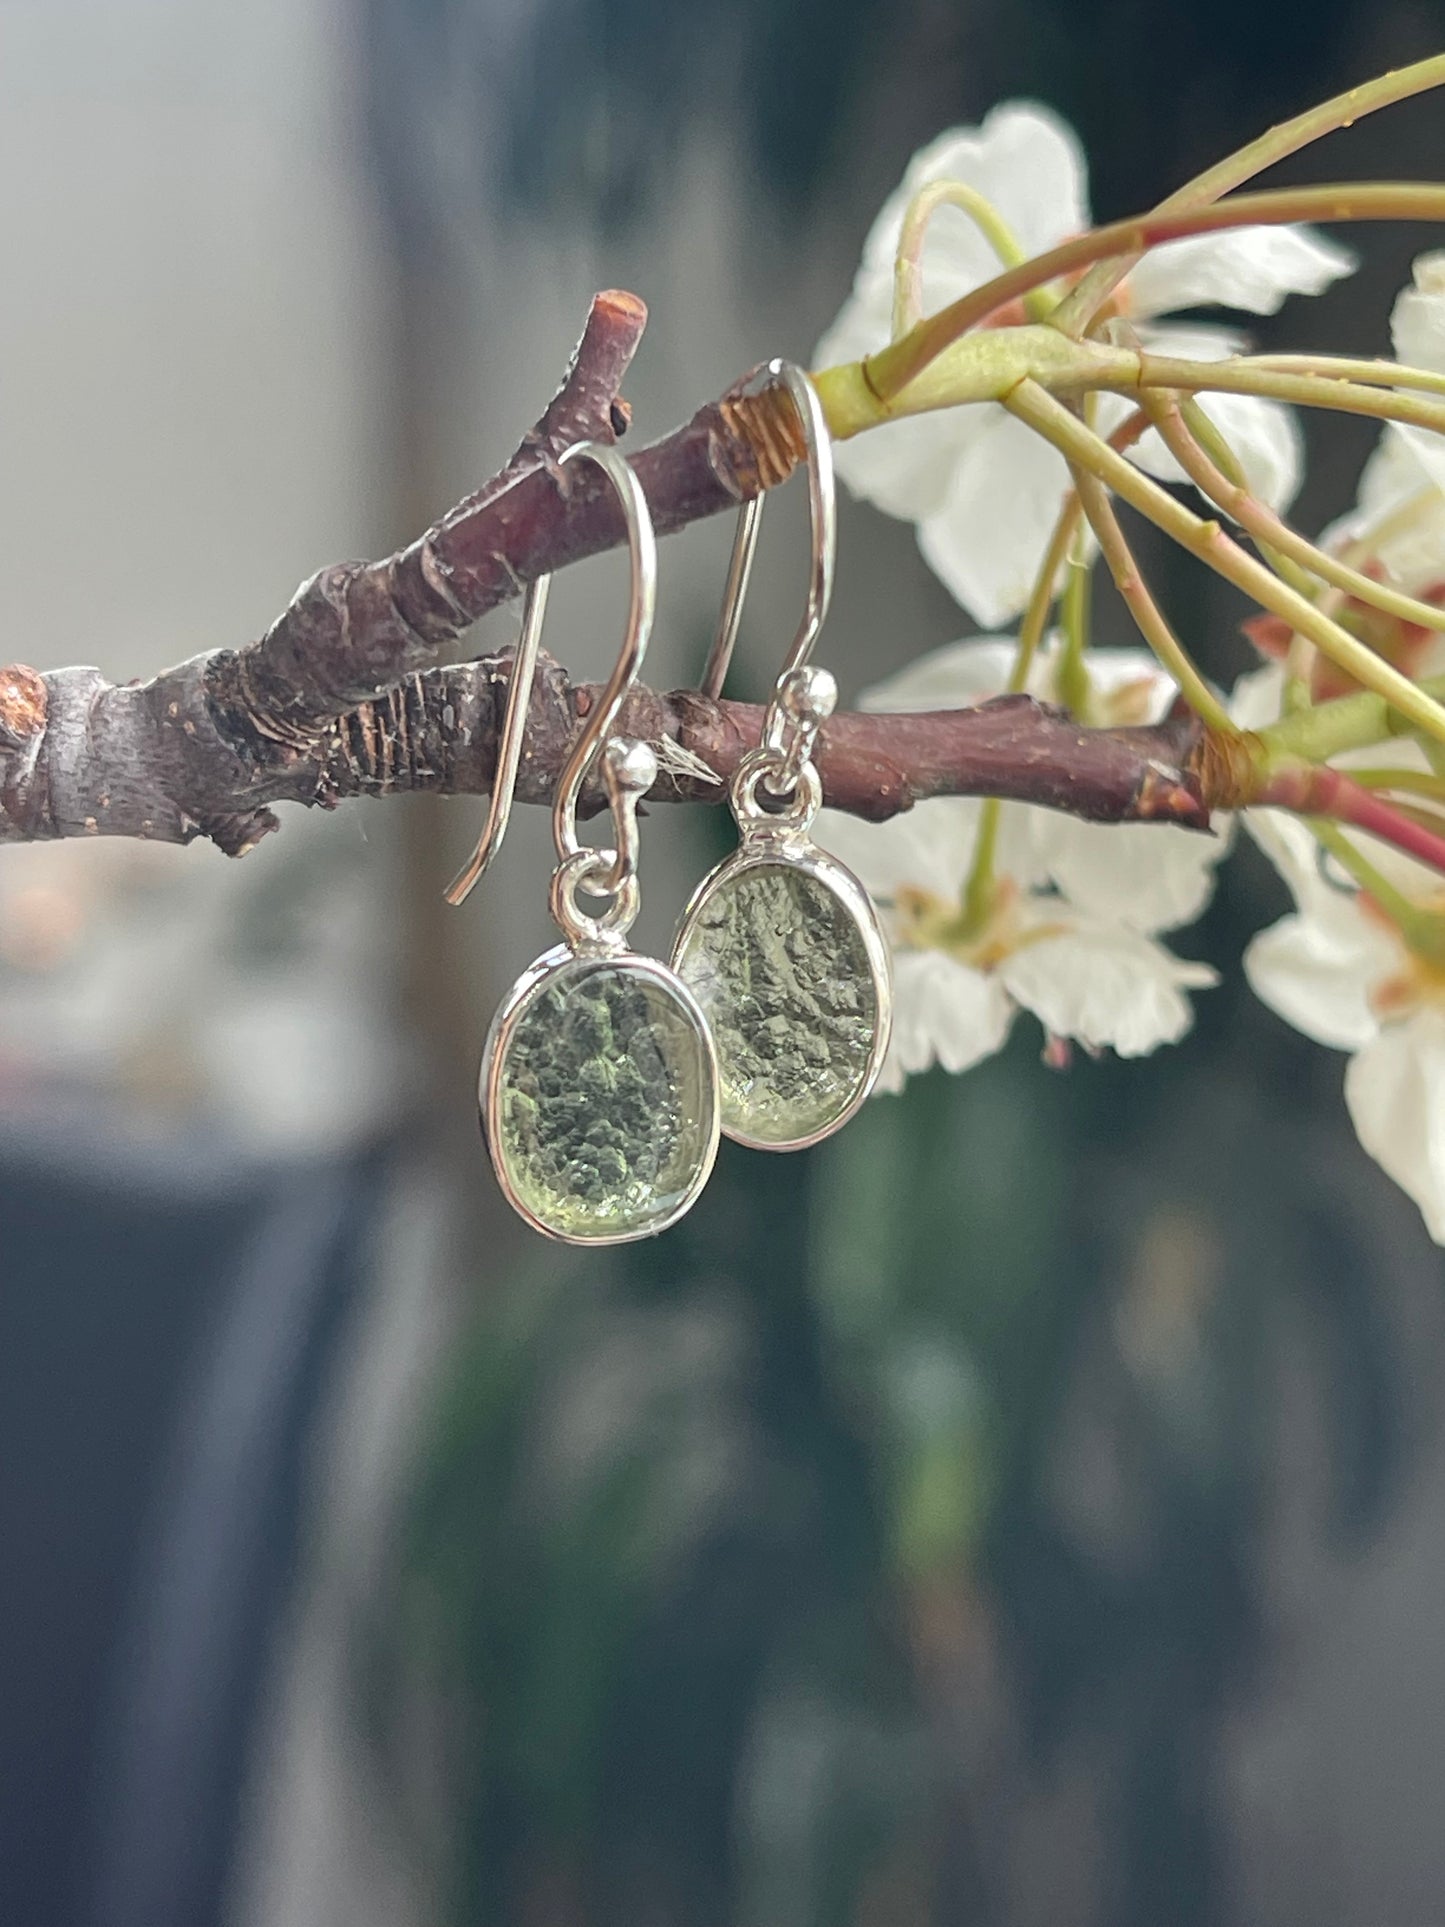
(823, 520)
(642, 547)
(509, 748)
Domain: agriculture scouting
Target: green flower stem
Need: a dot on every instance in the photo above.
(1345, 723)
(1377, 373)
(1197, 424)
(985, 366)
(1208, 541)
(1129, 580)
(1243, 376)
(1270, 531)
(1041, 596)
(893, 368)
(1056, 556)
(1414, 782)
(1300, 658)
(1079, 308)
(1396, 905)
(908, 264)
(979, 890)
(1072, 676)
(982, 367)
(1423, 930)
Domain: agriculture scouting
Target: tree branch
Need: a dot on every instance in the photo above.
(146, 761)
(338, 699)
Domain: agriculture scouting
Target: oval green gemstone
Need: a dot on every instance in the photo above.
(604, 1115)
(779, 964)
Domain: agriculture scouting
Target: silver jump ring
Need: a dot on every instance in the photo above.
(607, 930)
(798, 808)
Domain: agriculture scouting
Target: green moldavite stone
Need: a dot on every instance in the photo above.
(780, 968)
(606, 1116)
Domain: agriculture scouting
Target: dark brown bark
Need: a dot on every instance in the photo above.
(338, 699)
(150, 761)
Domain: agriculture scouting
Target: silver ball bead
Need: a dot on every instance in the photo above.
(631, 764)
(808, 695)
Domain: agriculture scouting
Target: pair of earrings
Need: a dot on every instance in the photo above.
(607, 1076)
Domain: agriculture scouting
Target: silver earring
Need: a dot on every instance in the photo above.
(781, 944)
(599, 1085)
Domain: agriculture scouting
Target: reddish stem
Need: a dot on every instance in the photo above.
(889, 371)
(1331, 793)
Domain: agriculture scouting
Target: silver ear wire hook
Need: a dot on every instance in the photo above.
(509, 748)
(642, 544)
(622, 771)
(823, 515)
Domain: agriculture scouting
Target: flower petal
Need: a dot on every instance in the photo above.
(1428, 448)
(986, 541)
(1257, 699)
(1315, 969)
(1294, 851)
(1254, 268)
(928, 847)
(1391, 476)
(943, 1012)
(1148, 877)
(956, 676)
(1395, 1090)
(1417, 328)
(907, 468)
(1264, 435)
(1105, 986)
(1023, 158)
(1417, 321)
(1409, 547)
(1027, 162)
(1125, 685)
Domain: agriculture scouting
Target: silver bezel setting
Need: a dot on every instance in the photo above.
(563, 957)
(790, 848)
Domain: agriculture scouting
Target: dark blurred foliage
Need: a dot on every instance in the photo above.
(778, 1572)
(167, 1396)
(761, 1570)
(600, 95)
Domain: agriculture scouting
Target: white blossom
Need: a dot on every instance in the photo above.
(983, 489)
(1417, 328)
(1340, 970)
(1070, 932)
(1399, 518)
(1150, 877)
(230, 997)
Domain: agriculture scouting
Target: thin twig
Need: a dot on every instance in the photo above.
(890, 370)
(1272, 531)
(1243, 375)
(1209, 542)
(1150, 618)
(1078, 309)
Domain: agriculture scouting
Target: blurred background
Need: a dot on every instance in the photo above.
(1023, 1509)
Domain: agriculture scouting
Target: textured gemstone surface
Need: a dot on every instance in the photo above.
(780, 967)
(605, 1110)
